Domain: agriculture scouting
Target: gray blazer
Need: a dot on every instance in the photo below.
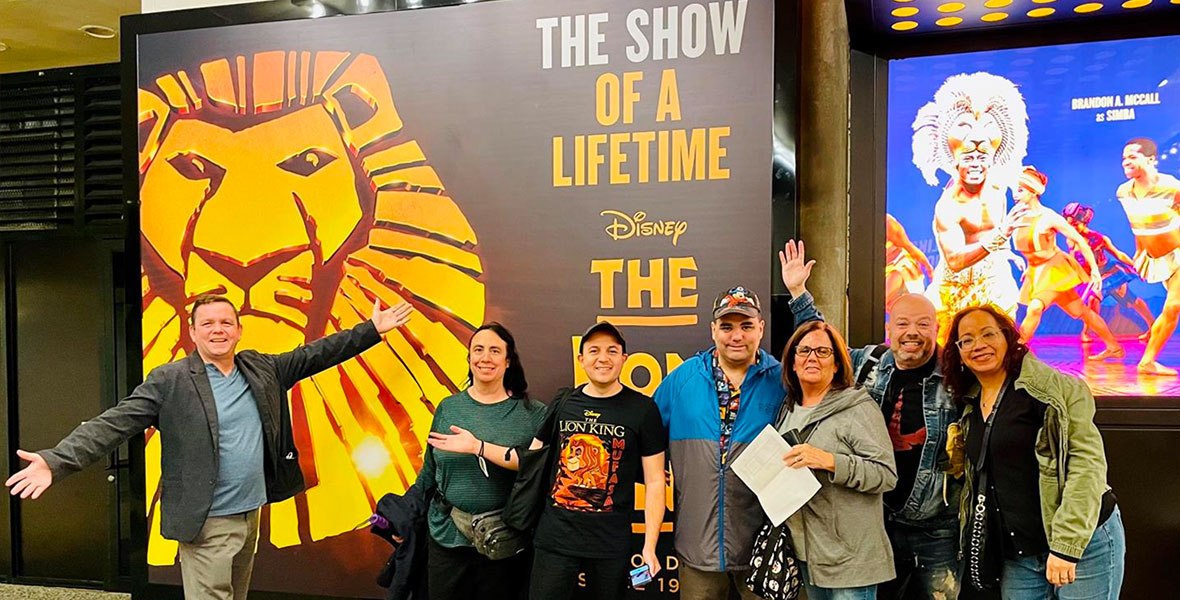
(177, 399)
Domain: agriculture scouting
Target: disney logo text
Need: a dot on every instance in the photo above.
(623, 226)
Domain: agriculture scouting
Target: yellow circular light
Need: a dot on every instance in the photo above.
(995, 17)
(1136, 3)
(996, 3)
(1088, 7)
(1041, 12)
(1044, 1)
(948, 21)
(905, 11)
(904, 25)
(903, 1)
(951, 7)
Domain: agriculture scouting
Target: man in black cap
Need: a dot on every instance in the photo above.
(606, 433)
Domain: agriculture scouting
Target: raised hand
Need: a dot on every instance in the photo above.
(1015, 219)
(32, 480)
(392, 317)
(796, 269)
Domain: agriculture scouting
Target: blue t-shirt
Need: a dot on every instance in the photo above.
(241, 484)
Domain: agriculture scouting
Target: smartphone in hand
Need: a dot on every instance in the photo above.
(640, 576)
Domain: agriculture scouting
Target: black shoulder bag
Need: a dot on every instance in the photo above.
(526, 501)
(984, 562)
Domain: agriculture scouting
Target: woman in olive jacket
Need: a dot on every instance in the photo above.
(1036, 511)
(839, 535)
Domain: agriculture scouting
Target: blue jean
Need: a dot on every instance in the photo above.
(1099, 572)
(868, 592)
(926, 560)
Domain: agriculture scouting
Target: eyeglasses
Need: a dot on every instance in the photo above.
(988, 337)
(820, 351)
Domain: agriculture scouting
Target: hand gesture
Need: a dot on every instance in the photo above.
(392, 317)
(1059, 571)
(1014, 219)
(806, 455)
(32, 480)
(459, 441)
(796, 269)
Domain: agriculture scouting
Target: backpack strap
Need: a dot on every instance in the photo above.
(870, 363)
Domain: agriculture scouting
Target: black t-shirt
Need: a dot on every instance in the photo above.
(592, 499)
(905, 419)
(1012, 472)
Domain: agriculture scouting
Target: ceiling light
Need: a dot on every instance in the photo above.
(101, 32)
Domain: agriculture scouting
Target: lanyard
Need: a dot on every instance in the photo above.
(987, 427)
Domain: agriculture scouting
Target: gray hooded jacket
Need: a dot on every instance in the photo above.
(840, 532)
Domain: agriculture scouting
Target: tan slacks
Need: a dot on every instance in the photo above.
(218, 563)
(708, 585)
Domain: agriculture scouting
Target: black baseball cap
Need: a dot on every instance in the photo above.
(603, 327)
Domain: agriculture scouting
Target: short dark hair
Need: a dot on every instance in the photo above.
(1146, 146)
(841, 380)
(204, 299)
(955, 376)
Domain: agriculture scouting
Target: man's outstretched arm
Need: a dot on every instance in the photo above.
(90, 441)
(326, 352)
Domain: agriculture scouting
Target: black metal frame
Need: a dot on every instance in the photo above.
(868, 126)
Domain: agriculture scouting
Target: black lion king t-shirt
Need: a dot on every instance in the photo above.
(601, 442)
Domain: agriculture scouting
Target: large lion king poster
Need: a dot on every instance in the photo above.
(543, 164)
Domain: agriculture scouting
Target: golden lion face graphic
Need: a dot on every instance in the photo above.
(283, 181)
(582, 474)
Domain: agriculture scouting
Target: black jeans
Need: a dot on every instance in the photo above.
(556, 575)
(927, 563)
(464, 574)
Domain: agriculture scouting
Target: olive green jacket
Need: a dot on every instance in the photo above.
(1070, 456)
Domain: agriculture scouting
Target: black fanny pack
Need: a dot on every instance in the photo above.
(490, 535)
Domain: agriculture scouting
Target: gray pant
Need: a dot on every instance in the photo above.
(709, 585)
(218, 563)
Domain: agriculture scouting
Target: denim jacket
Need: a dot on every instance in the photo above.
(933, 501)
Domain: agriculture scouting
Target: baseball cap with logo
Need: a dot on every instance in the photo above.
(737, 300)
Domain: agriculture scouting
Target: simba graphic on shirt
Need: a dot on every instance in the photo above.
(587, 470)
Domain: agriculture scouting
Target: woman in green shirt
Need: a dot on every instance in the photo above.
(468, 465)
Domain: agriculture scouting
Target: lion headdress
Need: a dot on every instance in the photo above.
(284, 181)
(981, 111)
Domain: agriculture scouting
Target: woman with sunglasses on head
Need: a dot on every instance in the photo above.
(470, 469)
(839, 535)
(1038, 519)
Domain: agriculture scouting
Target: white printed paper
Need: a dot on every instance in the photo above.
(780, 489)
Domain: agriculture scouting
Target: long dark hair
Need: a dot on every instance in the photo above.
(843, 376)
(957, 378)
(514, 380)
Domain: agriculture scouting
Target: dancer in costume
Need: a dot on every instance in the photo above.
(974, 130)
(1053, 274)
(1116, 274)
(1149, 198)
(905, 264)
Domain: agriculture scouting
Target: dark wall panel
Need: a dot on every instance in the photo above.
(59, 318)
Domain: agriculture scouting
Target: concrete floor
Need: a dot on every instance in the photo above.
(24, 592)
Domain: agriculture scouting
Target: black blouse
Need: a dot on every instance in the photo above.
(1013, 490)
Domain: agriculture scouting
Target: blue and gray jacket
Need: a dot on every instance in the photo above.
(717, 516)
(934, 499)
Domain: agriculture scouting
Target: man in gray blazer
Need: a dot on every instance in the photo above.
(226, 441)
